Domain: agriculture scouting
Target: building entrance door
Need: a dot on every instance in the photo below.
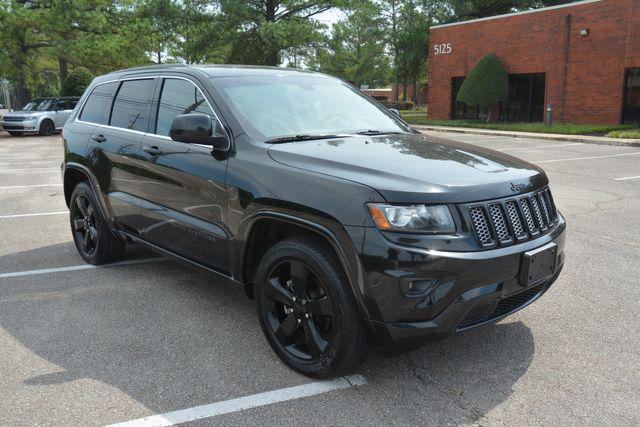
(631, 111)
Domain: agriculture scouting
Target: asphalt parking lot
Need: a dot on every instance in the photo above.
(96, 346)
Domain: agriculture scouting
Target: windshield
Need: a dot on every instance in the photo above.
(39, 105)
(276, 106)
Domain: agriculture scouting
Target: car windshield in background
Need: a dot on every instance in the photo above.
(277, 106)
(39, 105)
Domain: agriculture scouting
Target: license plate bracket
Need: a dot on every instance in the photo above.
(538, 264)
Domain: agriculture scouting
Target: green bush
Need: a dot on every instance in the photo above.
(76, 82)
(486, 84)
(399, 105)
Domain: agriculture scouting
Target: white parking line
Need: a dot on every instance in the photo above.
(32, 159)
(540, 146)
(626, 178)
(29, 186)
(246, 402)
(33, 214)
(30, 170)
(77, 267)
(585, 158)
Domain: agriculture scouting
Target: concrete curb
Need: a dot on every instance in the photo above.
(600, 140)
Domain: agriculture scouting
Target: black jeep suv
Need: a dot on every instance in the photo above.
(345, 224)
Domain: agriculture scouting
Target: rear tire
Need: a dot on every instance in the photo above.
(47, 127)
(307, 310)
(93, 237)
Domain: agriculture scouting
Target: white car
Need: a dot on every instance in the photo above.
(42, 115)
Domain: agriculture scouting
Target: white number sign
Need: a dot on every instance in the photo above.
(442, 49)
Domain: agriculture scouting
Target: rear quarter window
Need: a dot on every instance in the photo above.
(98, 105)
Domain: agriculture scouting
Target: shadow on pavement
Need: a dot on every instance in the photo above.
(170, 338)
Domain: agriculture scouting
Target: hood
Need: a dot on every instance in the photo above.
(415, 168)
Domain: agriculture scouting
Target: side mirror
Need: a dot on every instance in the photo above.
(395, 112)
(199, 129)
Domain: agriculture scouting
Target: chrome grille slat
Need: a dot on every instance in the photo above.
(545, 211)
(481, 226)
(514, 219)
(537, 214)
(501, 222)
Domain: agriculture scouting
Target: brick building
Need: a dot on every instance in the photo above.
(583, 58)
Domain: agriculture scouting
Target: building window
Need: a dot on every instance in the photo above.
(631, 112)
(525, 102)
(460, 110)
(526, 98)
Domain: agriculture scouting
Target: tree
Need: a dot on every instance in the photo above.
(486, 84)
(76, 83)
(355, 49)
(263, 29)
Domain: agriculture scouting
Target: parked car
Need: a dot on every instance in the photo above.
(42, 115)
(346, 225)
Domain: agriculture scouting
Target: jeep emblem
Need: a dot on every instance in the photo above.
(519, 187)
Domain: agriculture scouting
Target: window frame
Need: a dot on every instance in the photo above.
(150, 100)
(156, 105)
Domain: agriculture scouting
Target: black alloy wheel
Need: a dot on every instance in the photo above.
(83, 220)
(300, 313)
(47, 128)
(307, 309)
(95, 241)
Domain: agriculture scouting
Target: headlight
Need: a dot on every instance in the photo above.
(32, 118)
(417, 218)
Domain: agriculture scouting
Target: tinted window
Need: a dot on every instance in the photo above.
(179, 97)
(131, 108)
(98, 105)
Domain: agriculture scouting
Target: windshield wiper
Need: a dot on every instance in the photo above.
(376, 132)
(303, 137)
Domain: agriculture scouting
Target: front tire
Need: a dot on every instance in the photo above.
(94, 240)
(307, 311)
(46, 128)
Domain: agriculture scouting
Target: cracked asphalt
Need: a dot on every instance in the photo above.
(99, 346)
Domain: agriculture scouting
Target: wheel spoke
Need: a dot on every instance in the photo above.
(278, 293)
(298, 274)
(89, 210)
(81, 207)
(315, 343)
(320, 307)
(93, 233)
(85, 237)
(287, 329)
(78, 224)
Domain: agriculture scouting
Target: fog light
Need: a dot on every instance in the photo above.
(420, 287)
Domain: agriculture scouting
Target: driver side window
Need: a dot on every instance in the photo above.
(179, 97)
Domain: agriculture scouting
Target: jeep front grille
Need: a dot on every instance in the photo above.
(503, 222)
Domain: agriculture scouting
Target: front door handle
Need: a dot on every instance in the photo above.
(153, 150)
(99, 138)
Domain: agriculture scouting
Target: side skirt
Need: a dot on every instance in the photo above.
(180, 259)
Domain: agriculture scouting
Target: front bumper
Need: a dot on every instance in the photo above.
(457, 290)
(23, 126)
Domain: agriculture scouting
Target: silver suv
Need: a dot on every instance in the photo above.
(42, 115)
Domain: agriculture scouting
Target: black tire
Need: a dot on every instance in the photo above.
(307, 310)
(12, 133)
(47, 127)
(93, 238)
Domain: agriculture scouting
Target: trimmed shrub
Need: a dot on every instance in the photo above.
(486, 84)
(76, 82)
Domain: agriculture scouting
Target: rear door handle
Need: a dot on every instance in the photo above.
(99, 138)
(154, 151)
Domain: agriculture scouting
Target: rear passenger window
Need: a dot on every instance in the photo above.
(98, 105)
(131, 108)
(179, 97)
